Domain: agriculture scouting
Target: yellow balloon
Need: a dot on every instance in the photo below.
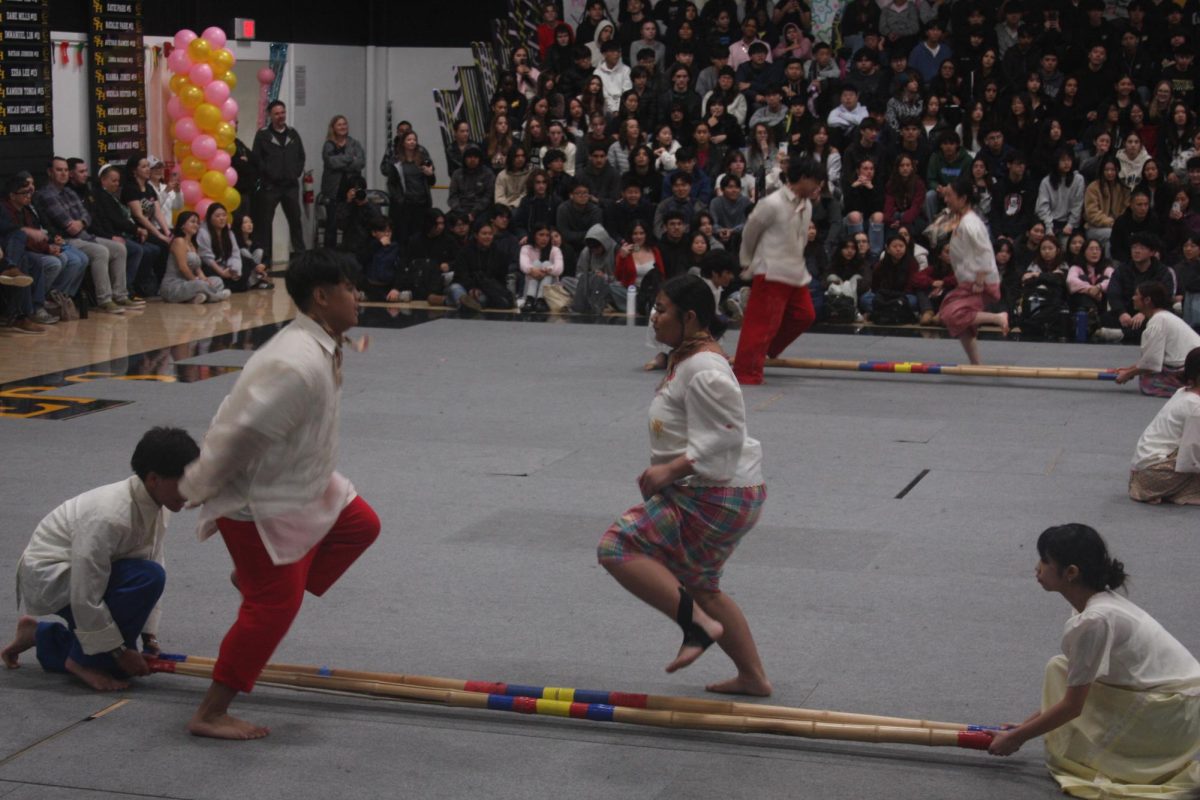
(192, 167)
(225, 134)
(199, 51)
(229, 78)
(178, 82)
(221, 60)
(192, 96)
(232, 199)
(182, 150)
(231, 149)
(208, 117)
(214, 185)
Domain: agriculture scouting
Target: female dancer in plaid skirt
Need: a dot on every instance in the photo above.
(703, 491)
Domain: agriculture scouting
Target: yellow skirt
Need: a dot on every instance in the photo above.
(1125, 743)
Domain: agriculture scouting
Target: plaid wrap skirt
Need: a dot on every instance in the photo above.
(691, 530)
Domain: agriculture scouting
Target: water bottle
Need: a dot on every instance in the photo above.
(1081, 326)
(631, 300)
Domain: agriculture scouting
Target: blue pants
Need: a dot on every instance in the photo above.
(134, 587)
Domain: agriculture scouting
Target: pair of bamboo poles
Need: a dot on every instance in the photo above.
(966, 370)
(662, 711)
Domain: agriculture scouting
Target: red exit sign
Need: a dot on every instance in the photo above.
(243, 29)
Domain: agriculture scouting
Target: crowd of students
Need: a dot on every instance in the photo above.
(1078, 130)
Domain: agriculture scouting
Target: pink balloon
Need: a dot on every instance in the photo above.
(201, 75)
(191, 191)
(186, 129)
(217, 92)
(215, 37)
(183, 38)
(229, 110)
(220, 160)
(175, 108)
(204, 147)
(231, 175)
(202, 206)
(178, 61)
(266, 75)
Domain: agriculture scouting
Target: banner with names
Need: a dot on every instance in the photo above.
(117, 81)
(26, 111)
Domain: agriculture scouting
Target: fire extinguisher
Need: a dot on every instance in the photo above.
(309, 199)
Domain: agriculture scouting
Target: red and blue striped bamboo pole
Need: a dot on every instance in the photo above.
(610, 706)
(927, 368)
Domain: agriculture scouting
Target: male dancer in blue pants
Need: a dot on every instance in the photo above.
(96, 561)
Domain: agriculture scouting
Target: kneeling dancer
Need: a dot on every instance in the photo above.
(267, 481)
(1121, 706)
(1166, 461)
(97, 562)
(703, 491)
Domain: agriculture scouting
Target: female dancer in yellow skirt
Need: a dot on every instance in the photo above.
(1121, 707)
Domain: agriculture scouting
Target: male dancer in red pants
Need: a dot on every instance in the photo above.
(267, 481)
(773, 240)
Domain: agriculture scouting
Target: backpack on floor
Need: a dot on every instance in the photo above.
(840, 307)
(1042, 305)
(891, 308)
(591, 294)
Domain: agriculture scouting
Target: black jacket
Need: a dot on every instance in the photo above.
(475, 266)
(111, 217)
(281, 156)
(1125, 280)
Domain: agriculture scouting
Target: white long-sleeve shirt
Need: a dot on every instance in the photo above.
(531, 257)
(1176, 427)
(1166, 342)
(270, 452)
(971, 251)
(616, 82)
(699, 412)
(69, 559)
(775, 236)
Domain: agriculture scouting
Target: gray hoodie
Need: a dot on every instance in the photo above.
(590, 262)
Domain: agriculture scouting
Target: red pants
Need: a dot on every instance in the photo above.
(272, 593)
(776, 315)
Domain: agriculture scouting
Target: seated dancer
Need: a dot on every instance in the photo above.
(1166, 341)
(1121, 706)
(97, 562)
(266, 478)
(703, 491)
(1166, 462)
(975, 270)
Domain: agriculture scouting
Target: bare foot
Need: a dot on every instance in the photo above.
(1004, 327)
(659, 362)
(100, 681)
(224, 726)
(690, 652)
(22, 641)
(756, 687)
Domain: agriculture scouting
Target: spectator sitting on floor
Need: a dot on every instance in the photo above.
(220, 254)
(356, 216)
(250, 248)
(1166, 461)
(472, 188)
(1166, 342)
(542, 265)
(481, 273)
(1123, 321)
(185, 281)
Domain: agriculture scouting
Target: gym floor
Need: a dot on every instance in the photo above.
(496, 451)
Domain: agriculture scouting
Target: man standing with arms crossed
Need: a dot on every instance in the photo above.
(267, 483)
(772, 253)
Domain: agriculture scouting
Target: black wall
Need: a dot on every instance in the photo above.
(383, 23)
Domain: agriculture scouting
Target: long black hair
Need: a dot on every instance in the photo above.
(691, 293)
(1057, 177)
(1079, 544)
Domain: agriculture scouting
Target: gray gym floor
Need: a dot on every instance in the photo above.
(497, 452)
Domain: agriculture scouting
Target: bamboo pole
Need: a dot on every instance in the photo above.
(967, 370)
(683, 720)
(622, 699)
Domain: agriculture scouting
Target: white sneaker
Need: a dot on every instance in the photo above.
(200, 299)
(225, 294)
(1110, 335)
